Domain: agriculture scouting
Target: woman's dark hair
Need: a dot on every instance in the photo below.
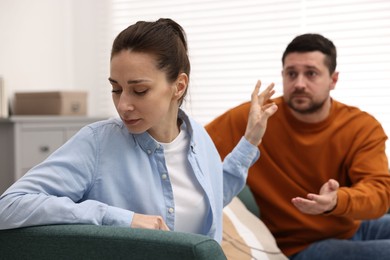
(163, 38)
(314, 42)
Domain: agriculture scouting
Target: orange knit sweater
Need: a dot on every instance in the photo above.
(298, 158)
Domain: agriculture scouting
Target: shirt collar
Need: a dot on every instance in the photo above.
(149, 145)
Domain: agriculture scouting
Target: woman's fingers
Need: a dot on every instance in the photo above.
(148, 222)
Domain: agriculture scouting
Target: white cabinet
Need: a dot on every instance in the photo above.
(27, 140)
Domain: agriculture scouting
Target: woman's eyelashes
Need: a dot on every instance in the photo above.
(141, 92)
(136, 92)
(116, 91)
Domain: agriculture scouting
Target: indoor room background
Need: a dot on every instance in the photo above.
(49, 45)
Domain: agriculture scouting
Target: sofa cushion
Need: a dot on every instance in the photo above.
(245, 236)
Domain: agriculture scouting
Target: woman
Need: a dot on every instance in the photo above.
(153, 167)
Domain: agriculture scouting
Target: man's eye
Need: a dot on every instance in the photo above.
(291, 74)
(312, 73)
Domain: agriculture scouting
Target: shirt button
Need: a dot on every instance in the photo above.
(164, 176)
(171, 210)
(149, 151)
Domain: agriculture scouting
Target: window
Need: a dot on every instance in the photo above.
(234, 43)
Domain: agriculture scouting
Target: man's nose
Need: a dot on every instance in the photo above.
(300, 82)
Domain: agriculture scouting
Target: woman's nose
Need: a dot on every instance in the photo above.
(125, 103)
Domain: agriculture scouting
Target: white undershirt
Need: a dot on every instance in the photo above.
(190, 203)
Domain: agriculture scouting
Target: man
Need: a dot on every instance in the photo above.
(322, 181)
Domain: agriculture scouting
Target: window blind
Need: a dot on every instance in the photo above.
(234, 43)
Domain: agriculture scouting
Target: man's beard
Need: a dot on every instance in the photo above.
(312, 108)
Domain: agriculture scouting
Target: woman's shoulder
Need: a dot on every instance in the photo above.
(111, 127)
(110, 123)
(194, 128)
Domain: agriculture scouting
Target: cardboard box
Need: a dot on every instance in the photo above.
(50, 103)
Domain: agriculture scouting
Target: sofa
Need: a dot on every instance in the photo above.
(107, 242)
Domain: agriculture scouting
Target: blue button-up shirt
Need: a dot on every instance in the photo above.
(104, 174)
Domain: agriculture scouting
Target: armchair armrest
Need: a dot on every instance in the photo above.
(104, 242)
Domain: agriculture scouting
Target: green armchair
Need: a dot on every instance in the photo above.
(105, 242)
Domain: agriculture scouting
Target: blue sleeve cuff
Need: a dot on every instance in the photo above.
(246, 152)
(117, 217)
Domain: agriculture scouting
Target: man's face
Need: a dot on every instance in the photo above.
(307, 82)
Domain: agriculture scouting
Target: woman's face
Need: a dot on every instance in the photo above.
(143, 97)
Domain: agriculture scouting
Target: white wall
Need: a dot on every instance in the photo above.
(54, 45)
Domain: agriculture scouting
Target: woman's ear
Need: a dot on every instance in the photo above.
(181, 86)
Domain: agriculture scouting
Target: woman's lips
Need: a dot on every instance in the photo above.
(131, 121)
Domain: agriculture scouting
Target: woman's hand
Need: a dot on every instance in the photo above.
(259, 113)
(148, 222)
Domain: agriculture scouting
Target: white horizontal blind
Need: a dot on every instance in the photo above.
(234, 43)
(361, 33)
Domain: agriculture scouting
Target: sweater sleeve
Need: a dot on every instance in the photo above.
(368, 196)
